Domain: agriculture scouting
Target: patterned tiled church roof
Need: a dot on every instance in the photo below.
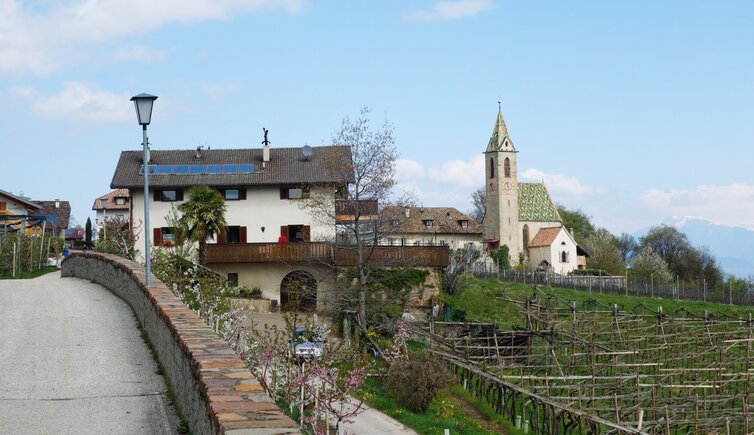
(535, 205)
(499, 134)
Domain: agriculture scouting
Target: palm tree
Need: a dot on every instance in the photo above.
(203, 216)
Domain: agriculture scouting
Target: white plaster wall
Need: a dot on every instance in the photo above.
(261, 208)
(454, 241)
(558, 247)
(268, 276)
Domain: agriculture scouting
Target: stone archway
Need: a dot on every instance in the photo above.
(298, 291)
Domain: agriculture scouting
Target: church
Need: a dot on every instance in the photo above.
(522, 215)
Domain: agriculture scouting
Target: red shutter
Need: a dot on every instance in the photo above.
(283, 193)
(157, 194)
(284, 231)
(179, 194)
(221, 237)
(242, 237)
(307, 233)
(157, 237)
(242, 193)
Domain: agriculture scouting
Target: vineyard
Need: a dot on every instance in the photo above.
(589, 367)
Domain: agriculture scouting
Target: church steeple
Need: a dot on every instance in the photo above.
(500, 140)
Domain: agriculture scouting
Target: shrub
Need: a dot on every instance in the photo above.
(414, 382)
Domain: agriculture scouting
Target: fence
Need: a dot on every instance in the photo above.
(621, 285)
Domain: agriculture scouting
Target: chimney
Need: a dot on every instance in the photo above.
(407, 212)
(57, 203)
(266, 149)
(198, 154)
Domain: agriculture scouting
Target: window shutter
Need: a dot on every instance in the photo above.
(157, 237)
(222, 236)
(283, 193)
(242, 235)
(307, 233)
(2, 206)
(179, 194)
(284, 231)
(242, 193)
(157, 195)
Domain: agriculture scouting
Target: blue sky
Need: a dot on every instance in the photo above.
(634, 112)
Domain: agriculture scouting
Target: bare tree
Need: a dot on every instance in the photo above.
(478, 205)
(362, 162)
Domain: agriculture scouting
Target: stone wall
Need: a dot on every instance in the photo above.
(217, 392)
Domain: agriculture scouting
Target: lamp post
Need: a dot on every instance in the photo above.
(143, 104)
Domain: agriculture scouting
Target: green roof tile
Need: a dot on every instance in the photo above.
(535, 205)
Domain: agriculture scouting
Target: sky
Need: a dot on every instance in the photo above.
(634, 112)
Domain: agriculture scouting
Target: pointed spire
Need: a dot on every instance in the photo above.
(500, 140)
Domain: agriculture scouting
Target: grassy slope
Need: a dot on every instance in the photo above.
(32, 274)
(479, 299)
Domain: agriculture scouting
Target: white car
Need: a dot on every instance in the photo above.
(307, 344)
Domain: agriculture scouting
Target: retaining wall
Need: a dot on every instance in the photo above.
(216, 391)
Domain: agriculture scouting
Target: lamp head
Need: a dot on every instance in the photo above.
(143, 104)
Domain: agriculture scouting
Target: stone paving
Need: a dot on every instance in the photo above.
(72, 361)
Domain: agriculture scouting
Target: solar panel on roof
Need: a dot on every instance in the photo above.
(230, 169)
(214, 169)
(162, 169)
(181, 169)
(246, 168)
(196, 169)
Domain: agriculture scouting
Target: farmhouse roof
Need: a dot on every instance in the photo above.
(110, 198)
(328, 164)
(545, 237)
(445, 220)
(57, 216)
(23, 201)
(535, 204)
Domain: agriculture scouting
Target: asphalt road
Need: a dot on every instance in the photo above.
(72, 361)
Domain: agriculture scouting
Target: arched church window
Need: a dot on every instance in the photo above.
(507, 167)
(564, 257)
(526, 237)
(492, 168)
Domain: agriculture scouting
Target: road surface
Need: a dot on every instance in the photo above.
(72, 361)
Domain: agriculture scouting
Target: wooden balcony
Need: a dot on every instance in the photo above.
(326, 253)
(269, 253)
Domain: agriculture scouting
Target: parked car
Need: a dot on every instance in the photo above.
(307, 343)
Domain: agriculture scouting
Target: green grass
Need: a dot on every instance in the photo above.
(32, 273)
(443, 412)
(479, 299)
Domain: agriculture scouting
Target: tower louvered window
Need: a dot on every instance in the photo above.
(507, 167)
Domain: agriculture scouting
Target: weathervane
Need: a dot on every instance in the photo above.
(265, 142)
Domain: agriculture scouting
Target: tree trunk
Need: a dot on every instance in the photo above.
(202, 251)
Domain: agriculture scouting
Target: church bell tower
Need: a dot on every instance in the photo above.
(501, 186)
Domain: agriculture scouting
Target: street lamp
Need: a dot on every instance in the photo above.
(143, 104)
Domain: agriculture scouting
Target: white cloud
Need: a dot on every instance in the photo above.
(78, 102)
(560, 185)
(730, 205)
(467, 174)
(139, 53)
(42, 40)
(444, 10)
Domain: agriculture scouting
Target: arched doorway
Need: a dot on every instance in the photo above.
(298, 291)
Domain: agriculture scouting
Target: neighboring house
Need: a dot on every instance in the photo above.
(429, 226)
(17, 213)
(57, 213)
(522, 215)
(116, 204)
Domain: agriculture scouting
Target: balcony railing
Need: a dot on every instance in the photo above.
(326, 253)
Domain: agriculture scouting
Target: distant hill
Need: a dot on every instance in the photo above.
(732, 246)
